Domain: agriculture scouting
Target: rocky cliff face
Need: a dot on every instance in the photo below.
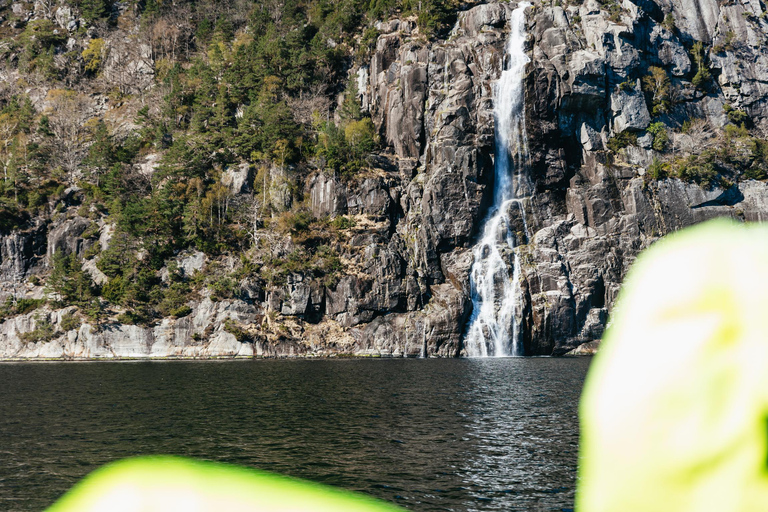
(595, 209)
(593, 202)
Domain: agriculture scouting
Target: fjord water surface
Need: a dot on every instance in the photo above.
(459, 434)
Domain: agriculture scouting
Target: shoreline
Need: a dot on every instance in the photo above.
(258, 358)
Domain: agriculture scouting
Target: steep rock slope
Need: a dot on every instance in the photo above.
(627, 116)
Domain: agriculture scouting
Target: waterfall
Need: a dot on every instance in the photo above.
(493, 326)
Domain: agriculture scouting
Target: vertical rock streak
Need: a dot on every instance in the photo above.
(493, 329)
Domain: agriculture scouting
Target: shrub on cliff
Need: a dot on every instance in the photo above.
(697, 168)
(237, 331)
(361, 137)
(669, 22)
(703, 75)
(93, 55)
(39, 38)
(758, 170)
(93, 10)
(174, 300)
(70, 322)
(658, 170)
(344, 150)
(736, 116)
(657, 90)
(622, 140)
(119, 258)
(114, 290)
(44, 331)
(12, 307)
(294, 223)
(68, 281)
(12, 216)
(660, 136)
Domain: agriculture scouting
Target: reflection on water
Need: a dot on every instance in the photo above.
(497, 434)
(525, 432)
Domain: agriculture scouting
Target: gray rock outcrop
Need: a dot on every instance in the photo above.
(400, 287)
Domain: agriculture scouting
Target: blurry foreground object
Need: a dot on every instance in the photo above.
(674, 414)
(169, 483)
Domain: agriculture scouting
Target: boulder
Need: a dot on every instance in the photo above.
(629, 110)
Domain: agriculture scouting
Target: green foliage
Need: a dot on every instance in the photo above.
(736, 116)
(627, 85)
(174, 300)
(93, 55)
(12, 216)
(118, 258)
(91, 232)
(669, 22)
(294, 222)
(223, 284)
(657, 88)
(156, 221)
(256, 85)
(658, 170)
(95, 311)
(381, 9)
(133, 318)
(314, 256)
(267, 126)
(736, 155)
(726, 43)
(11, 308)
(44, 126)
(69, 282)
(660, 136)
(103, 154)
(39, 36)
(367, 43)
(613, 8)
(758, 169)
(328, 264)
(701, 79)
(622, 140)
(93, 10)
(20, 111)
(237, 331)
(296, 262)
(343, 222)
(432, 16)
(223, 287)
(44, 331)
(697, 168)
(141, 289)
(350, 107)
(70, 322)
(345, 150)
(181, 311)
(114, 290)
(24, 306)
(204, 31)
(735, 132)
(361, 137)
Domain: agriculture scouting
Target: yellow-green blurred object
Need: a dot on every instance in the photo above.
(155, 484)
(674, 414)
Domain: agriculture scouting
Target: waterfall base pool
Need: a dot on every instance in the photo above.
(459, 434)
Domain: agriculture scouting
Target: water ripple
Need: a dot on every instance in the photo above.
(461, 435)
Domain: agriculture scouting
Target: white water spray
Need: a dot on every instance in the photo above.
(493, 329)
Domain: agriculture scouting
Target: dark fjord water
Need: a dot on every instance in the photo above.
(495, 434)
